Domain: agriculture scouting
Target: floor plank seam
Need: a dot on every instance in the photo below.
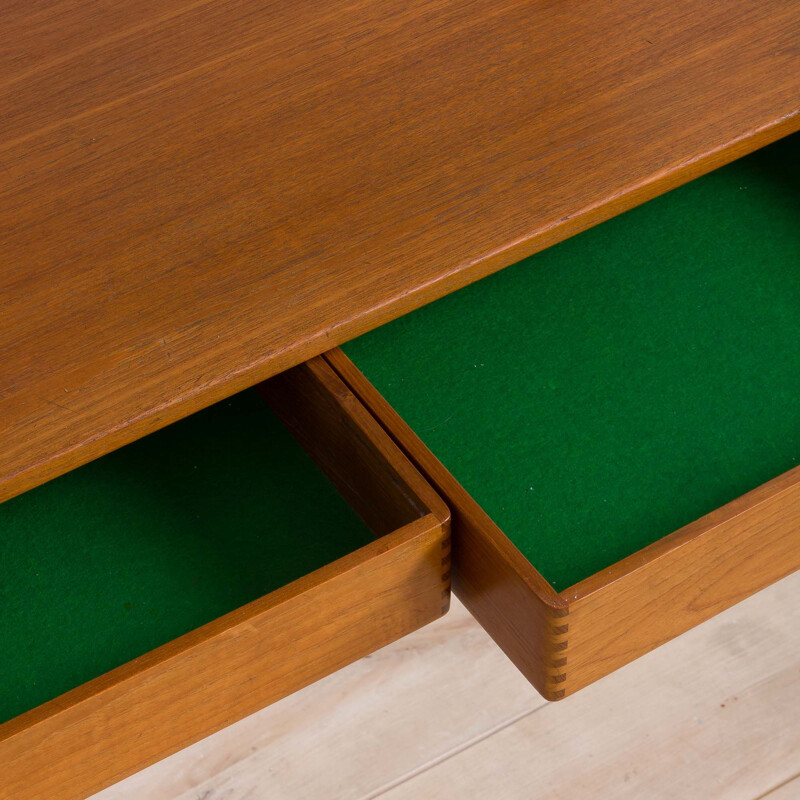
(487, 734)
(777, 787)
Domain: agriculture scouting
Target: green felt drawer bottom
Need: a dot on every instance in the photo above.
(130, 551)
(603, 393)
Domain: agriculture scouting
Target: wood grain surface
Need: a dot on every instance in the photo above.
(197, 195)
(367, 725)
(685, 578)
(152, 706)
(564, 641)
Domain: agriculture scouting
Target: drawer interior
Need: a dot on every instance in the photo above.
(128, 552)
(605, 392)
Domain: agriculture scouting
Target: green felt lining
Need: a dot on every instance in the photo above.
(128, 552)
(605, 392)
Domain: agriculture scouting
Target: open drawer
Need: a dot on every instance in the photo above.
(218, 539)
(613, 423)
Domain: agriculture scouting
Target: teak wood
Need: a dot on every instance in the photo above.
(198, 195)
(566, 640)
(119, 723)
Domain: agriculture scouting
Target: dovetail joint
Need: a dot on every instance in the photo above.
(558, 636)
(445, 575)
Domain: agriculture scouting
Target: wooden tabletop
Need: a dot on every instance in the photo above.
(196, 195)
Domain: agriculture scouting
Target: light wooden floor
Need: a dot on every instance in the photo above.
(443, 714)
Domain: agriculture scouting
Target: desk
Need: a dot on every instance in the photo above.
(200, 196)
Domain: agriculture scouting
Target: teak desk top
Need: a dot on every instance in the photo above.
(197, 195)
